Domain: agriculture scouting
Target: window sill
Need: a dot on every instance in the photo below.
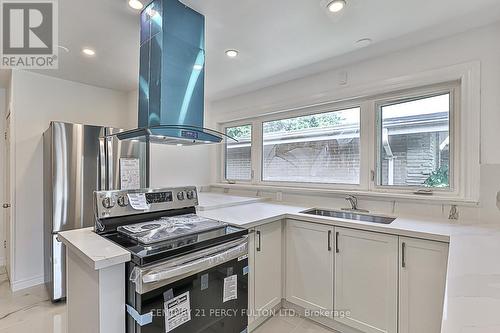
(383, 196)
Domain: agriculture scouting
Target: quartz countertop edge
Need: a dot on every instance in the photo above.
(96, 251)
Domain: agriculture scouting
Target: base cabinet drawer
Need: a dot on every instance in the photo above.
(422, 279)
(366, 280)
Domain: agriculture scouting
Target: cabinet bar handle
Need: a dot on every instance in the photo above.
(329, 240)
(403, 254)
(258, 236)
(337, 250)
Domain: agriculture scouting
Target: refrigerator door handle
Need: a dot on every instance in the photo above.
(102, 164)
(109, 163)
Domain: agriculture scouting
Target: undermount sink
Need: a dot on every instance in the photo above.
(350, 216)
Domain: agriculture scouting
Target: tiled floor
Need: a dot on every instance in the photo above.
(291, 324)
(30, 310)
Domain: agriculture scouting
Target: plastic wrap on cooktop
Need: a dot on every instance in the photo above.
(167, 228)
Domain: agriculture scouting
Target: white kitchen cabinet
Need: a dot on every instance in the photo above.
(309, 265)
(265, 260)
(366, 280)
(268, 261)
(422, 279)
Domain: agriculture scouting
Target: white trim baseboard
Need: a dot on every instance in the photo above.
(26, 283)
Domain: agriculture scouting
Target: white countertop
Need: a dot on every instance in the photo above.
(254, 214)
(96, 251)
(472, 297)
(251, 215)
(212, 200)
(472, 300)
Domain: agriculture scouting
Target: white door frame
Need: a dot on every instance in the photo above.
(3, 213)
(9, 192)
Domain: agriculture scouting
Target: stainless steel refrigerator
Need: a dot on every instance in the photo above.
(79, 159)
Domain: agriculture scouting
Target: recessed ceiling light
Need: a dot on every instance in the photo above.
(232, 53)
(88, 51)
(336, 6)
(135, 4)
(363, 42)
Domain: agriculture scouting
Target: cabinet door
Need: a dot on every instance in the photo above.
(309, 265)
(267, 269)
(366, 280)
(422, 279)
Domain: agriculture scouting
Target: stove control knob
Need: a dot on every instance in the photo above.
(123, 201)
(180, 195)
(108, 203)
(190, 194)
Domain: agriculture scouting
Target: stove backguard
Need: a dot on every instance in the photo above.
(114, 208)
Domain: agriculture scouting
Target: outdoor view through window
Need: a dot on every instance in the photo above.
(415, 143)
(238, 154)
(320, 148)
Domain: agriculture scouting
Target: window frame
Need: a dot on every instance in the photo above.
(451, 88)
(465, 77)
(257, 144)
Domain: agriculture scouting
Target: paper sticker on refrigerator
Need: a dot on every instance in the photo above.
(130, 173)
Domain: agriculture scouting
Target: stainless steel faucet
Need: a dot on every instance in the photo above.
(453, 213)
(353, 201)
(354, 204)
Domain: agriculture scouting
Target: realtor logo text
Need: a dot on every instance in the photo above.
(29, 34)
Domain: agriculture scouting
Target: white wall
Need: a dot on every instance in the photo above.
(2, 175)
(476, 45)
(36, 100)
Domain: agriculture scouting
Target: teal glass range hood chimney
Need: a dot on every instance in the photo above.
(172, 75)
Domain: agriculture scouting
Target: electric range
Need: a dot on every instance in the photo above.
(182, 265)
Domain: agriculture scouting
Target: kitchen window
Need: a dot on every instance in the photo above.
(415, 142)
(318, 148)
(406, 142)
(238, 154)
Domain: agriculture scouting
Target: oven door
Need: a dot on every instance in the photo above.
(208, 294)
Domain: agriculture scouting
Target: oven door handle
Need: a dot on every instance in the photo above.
(191, 263)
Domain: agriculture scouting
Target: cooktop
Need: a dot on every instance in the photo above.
(143, 254)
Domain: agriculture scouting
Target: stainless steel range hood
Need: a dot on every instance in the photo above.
(172, 75)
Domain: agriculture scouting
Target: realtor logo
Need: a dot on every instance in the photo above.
(29, 34)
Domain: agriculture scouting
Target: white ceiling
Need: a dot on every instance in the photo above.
(278, 39)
